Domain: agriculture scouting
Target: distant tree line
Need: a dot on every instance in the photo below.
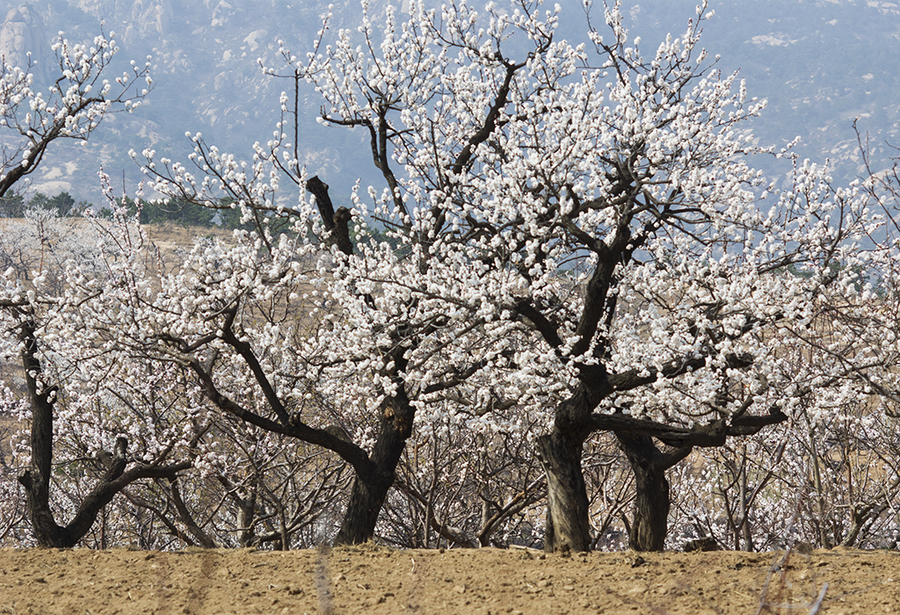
(15, 205)
(176, 211)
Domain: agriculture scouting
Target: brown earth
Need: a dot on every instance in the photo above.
(374, 580)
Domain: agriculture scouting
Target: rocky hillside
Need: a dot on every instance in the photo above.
(820, 63)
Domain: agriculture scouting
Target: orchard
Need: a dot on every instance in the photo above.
(573, 314)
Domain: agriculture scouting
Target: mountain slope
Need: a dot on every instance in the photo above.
(820, 64)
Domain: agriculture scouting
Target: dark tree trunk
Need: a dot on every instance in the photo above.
(47, 532)
(370, 488)
(36, 479)
(367, 496)
(568, 526)
(651, 506)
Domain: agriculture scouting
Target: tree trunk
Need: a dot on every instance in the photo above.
(367, 496)
(36, 479)
(746, 533)
(568, 526)
(199, 534)
(651, 507)
(246, 519)
(370, 488)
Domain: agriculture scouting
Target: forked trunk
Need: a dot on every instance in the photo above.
(36, 479)
(568, 526)
(651, 505)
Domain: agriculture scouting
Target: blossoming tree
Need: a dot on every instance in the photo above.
(575, 235)
(82, 94)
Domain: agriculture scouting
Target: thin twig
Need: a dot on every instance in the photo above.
(323, 582)
(818, 603)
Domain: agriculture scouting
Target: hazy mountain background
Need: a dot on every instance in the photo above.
(820, 64)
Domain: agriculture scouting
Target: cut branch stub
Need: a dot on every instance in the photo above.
(335, 222)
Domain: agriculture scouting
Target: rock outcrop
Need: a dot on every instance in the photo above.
(21, 34)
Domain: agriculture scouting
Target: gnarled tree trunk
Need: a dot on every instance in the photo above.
(649, 524)
(367, 497)
(370, 487)
(568, 526)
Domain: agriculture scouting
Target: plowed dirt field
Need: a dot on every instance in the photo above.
(374, 580)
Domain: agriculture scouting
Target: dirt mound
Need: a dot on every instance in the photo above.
(372, 580)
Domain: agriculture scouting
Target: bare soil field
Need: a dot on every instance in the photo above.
(374, 580)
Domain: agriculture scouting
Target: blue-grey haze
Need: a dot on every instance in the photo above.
(820, 64)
